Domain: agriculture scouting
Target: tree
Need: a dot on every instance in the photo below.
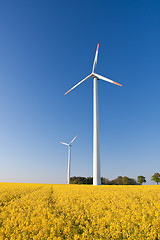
(104, 181)
(132, 181)
(89, 180)
(125, 180)
(141, 179)
(156, 178)
(117, 181)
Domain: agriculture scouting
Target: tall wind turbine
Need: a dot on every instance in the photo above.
(69, 157)
(96, 151)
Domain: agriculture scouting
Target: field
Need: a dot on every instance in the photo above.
(45, 211)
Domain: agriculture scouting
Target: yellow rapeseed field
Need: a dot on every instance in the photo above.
(46, 211)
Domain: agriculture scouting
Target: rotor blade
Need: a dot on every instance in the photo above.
(95, 59)
(73, 139)
(78, 83)
(64, 143)
(106, 79)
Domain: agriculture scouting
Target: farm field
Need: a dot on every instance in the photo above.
(48, 211)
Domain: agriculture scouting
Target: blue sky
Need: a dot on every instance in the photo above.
(46, 47)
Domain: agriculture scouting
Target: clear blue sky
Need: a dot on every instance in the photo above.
(46, 47)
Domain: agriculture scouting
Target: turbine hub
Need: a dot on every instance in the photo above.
(94, 76)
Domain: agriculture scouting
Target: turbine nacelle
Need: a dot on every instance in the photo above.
(94, 76)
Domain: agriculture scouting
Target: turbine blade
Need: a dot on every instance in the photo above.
(78, 83)
(73, 139)
(64, 143)
(95, 58)
(105, 79)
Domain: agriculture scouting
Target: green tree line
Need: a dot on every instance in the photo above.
(117, 181)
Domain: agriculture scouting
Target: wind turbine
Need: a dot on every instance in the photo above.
(69, 157)
(96, 151)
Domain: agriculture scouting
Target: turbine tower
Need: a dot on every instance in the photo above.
(96, 150)
(69, 157)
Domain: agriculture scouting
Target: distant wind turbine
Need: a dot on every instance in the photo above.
(69, 157)
(96, 151)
